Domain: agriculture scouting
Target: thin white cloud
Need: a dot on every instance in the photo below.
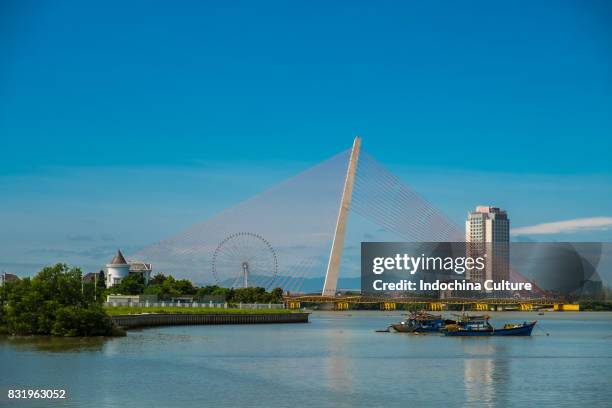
(568, 226)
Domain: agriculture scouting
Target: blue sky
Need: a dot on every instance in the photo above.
(124, 122)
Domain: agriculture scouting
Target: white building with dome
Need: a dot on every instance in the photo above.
(118, 268)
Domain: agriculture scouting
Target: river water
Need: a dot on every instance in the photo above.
(337, 360)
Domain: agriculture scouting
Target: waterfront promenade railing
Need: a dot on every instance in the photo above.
(212, 305)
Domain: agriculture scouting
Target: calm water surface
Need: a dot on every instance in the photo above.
(337, 360)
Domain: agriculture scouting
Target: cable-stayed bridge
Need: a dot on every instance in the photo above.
(304, 233)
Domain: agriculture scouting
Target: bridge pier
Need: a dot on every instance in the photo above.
(436, 306)
(388, 306)
(341, 305)
(294, 304)
(480, 307)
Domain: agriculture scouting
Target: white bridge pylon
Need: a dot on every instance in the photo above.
(335, 255)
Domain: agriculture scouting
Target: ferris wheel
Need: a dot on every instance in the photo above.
(244, 259)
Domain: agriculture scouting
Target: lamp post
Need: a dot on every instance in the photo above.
(3, 276)
(96, 287)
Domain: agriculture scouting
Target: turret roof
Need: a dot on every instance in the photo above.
(118, 259)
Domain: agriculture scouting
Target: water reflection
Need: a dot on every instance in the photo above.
(55, 344)
(336, 365)
(485, 375)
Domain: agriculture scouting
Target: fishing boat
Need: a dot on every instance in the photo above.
(480, 326)
(421, 323)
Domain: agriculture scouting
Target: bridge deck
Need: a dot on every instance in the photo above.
(419, 300)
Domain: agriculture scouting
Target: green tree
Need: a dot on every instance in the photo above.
(213, 290)
(53, 302)
(276, 296)
(255, 295)
(75, 321)
(158, 279)
(185, 287)
(164, 289)
(133, 284)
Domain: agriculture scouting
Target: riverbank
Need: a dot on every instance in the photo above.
(129, 321)
(125, 317)
(129, 310)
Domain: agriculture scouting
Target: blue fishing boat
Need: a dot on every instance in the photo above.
(480, 326)
(421, 323)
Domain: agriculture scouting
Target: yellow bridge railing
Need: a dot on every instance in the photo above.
(427, 302)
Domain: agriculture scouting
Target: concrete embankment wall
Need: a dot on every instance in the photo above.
(168, 319)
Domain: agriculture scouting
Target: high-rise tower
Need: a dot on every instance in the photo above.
(487, 233)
